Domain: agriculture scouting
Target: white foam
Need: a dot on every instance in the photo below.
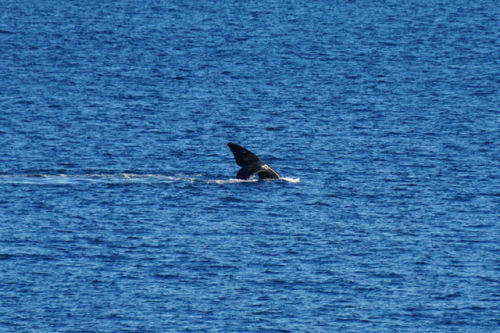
(291, 180)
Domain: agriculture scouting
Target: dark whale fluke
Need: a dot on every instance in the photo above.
(251, 164)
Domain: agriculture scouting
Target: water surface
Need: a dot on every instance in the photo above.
(119, 209)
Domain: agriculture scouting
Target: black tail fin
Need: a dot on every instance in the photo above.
(243, 156)
(251, 164)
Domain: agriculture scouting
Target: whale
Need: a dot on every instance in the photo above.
(250, 164)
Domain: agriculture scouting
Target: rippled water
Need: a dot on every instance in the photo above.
(119, 209)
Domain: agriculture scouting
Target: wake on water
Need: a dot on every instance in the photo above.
(125, 178)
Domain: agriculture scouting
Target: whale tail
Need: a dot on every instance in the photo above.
(251, 164)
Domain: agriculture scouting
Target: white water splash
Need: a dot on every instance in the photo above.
(291, 180)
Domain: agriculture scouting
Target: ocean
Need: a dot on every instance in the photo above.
(120, 210)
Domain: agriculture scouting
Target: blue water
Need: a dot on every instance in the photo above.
(119, 209)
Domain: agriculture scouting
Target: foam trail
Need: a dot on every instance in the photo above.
(119, 178)
(231, 181)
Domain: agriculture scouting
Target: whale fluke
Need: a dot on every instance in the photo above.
(251, 164)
